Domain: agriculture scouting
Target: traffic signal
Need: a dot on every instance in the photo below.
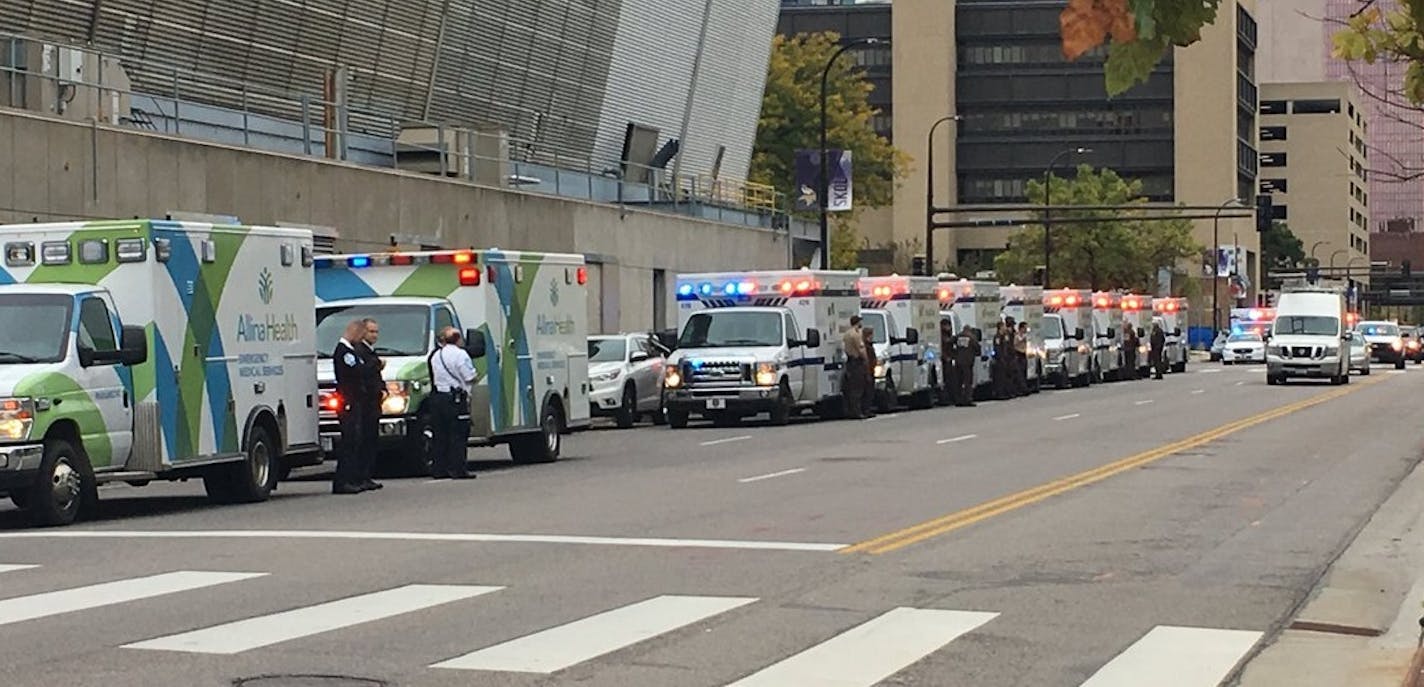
(918, 267)
(1265, 214)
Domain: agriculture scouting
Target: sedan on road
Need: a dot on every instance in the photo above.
(626, 371)
(1359, 355)
(1243, 347)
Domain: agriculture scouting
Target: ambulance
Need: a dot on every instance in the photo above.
(759, 342)
(1025, 304)
(1137, 313)
(1107, 336)
(1171, 314)
(974, 303)
(903, 313)
(524, 319)
(135, 351)
(1067, 314)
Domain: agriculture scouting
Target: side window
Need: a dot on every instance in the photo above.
(96, 328)
(790, 325)
(443, 318)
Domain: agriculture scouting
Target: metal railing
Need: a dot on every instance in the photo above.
(213, 108)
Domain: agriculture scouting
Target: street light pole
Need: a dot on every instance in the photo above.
(823, 186)
(1332, 259)
(1315, 245)
(930, 191)
(1047, 216)
(1215, 265)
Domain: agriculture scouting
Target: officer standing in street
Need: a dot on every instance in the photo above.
(966, 352)
(853, 383)
(948, 370)
(452, 371)
(1130, 344)
(1002, 365)
(348, 362)
(1021, 358)
(1158, 350)
(375, 392)
(867, 405)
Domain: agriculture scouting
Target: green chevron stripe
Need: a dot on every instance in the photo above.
(430, 281)
(202, 321)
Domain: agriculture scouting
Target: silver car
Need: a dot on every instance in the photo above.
(1359, 355)
(626, 372)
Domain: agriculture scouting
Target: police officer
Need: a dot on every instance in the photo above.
(1130, 344)
(948, 371)
(1003, 365)
(1021, 358)
(1158, 351)
(375, 392)
(966, 352)
(867, 405)
(452, 372)
(349, 363)
(853, 387)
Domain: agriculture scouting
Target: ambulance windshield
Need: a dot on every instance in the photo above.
(1052, 328)
(875, 322)
(34, 328)
(730, 328)
(405, 329)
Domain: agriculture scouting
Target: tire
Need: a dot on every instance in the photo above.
(1223, 361)
(544, 445)
(1365, 370)
(251, 479)
(1179, 368)
(886, 401)
(64, 490)
(1271, 380)
(415, 459)
(781, 413)
(1345, 378)
(676, 419)
(628, 409)
(659, 416)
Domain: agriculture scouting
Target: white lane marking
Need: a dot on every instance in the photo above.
(1198, 391)
(109, 593)
(728, 440)
(1069, 416)
(430, 537)
(883, 417)
(1210, 372)
(870, 652)
(254, 633)
(771, 475)
(956, 440)
(1176, 657)
(1143, 403)
(560, 647)
(4, 568)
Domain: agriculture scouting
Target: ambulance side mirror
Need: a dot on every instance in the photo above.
(133, 348)
(1177, 331)
(813, 338)
(912, 337)
(1112, 333)
(475, 343)
(1141, 332)
(1078, 333)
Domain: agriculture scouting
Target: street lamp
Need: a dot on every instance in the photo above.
(930, 191)
(1215, 265)
(1317, 244)
(1048, 201)
(1332, 260)
(823, 187)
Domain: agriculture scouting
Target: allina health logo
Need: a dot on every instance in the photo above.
(269, 327)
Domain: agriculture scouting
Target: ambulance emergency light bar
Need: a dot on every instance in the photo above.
(1166, 306)
(801, 286)
(1132, 303)
(468, 275)
(1071, 300)
(946, 293)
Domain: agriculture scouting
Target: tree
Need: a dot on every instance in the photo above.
(1281, 249)
(1141, 32)
(1123, 252)
(1397, 35)
(791, 120)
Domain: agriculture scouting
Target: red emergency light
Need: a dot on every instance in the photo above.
(1102, 301)
(1056, 300)
(399, 259)
(332, 402)
(470, 276)
(945, 294)
(582, 275)
(1072, 301)
(1131, 304)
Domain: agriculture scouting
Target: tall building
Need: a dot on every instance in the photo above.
(1312, 165)
(1297, 35)
(564, 78)
(851, 21)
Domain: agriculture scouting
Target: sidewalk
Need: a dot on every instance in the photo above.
(1361, 625)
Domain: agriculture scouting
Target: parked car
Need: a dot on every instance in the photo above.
(1243, 347)
(1413, 346)
(626, 372)
(1359, 355)
(1218, 344)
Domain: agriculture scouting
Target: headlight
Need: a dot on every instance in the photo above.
(879, 370)
(397, 398)
(673, 379)
(1396, 345)
(766, 375)
(604, 377)
(1331, 350)
(17, 418)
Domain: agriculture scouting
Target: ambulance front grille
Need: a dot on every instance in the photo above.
(720, 372)
(147, 454)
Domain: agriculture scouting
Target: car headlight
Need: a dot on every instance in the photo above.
(879, 370)
(1331, 350)
(17, 418)
(604, 377)
(397, 399)
(766, 375)
(673, 378)
(1396, 345)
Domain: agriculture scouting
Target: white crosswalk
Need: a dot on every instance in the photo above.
(862, 655)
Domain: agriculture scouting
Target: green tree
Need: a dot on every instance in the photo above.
(1395, 35)
(1281, 249)
(1125, 251)
(791, 120)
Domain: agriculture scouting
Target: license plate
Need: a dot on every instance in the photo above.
(327, 444)
(716, 403)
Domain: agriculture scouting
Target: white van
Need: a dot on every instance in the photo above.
(1309, 337)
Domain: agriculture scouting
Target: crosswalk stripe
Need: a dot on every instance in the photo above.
(81, 598)
(1176, 657)
(11, 567)
(557, 648)
(872, 651)
(254, 633)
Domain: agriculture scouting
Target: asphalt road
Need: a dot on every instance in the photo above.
(1143, 533)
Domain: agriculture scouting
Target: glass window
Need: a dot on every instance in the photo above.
(611, 349)
(1378, 329)
(1316, 106)
(1273, 133)
(405, 329)
(1274, 106)
(1313, 325)
(96, 328)
(444, 318)
(791, 329)
(875, 322)
(33, 328)
(1052, 328)
(727, 328)
(1244, 336)
(1273, 159)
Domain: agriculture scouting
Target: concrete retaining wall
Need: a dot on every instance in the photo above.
(53, 170)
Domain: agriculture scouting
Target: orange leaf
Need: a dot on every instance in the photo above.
(1124, 23)
(1083, 26)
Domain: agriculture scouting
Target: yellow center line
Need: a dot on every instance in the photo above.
(975, 514)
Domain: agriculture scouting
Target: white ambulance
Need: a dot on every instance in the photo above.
(974, 303)
(525, 321)
(1172, 314)
(903, 313)
(759, 342)
(1107, 336)
(1025, 304)
(1137, 313)
(135, 350)
(1068, 352)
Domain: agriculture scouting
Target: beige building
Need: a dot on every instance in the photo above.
(1313, 162)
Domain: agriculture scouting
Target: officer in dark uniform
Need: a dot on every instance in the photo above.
(966, 351)
(1003, 362)
(349, 364)
(948, 371)
(1157, 356)
(375, 392)
(1130, 344)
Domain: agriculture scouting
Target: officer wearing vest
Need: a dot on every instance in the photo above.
(452, 372)
(352, 385)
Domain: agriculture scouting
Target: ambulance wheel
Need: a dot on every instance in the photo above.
(781, 412)
(659, 416)
(1180, 367)
(885, 401)
(628, 410)
(542, 446)
(64, 489)
(251, 479)
(1345, 378)
(676, 419)
(1365, 370)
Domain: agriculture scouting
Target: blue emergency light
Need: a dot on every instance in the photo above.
(358, 261)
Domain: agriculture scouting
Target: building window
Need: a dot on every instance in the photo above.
(1273, 159)
(1273, 133)
(1279, 212)
(1316, 106)
(1275, 106)
(1274, 186)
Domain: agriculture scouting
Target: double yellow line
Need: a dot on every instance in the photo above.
(970, 516)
